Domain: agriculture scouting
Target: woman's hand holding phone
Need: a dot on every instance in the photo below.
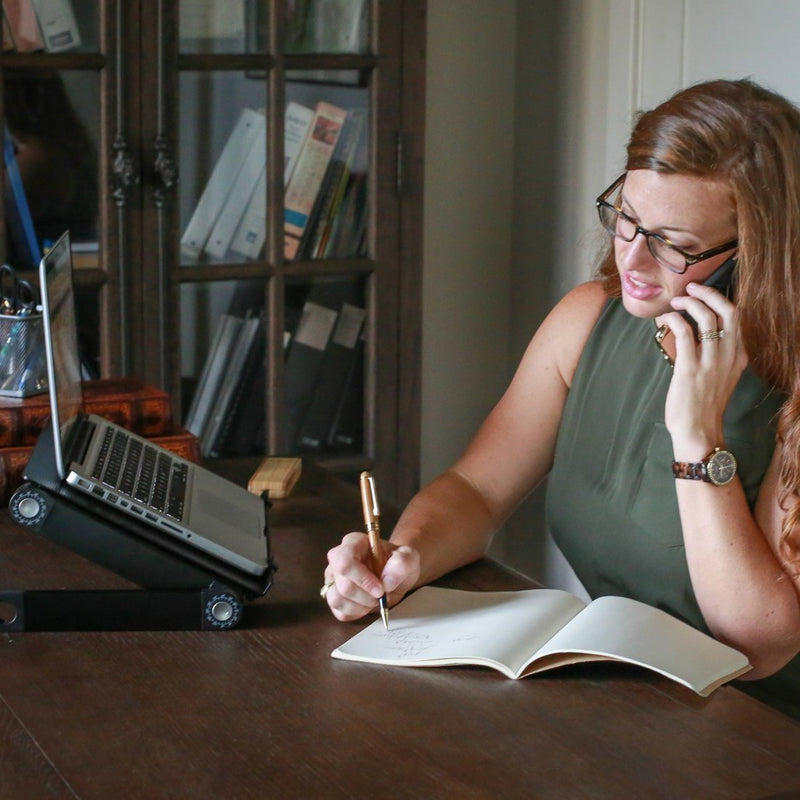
(720, 279)
(705, 372)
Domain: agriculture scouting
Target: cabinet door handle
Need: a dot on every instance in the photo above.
(165, 169)
(125, 171)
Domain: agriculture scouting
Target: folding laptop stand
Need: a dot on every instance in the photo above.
(182, 588)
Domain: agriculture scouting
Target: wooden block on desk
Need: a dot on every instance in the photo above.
(276, 476)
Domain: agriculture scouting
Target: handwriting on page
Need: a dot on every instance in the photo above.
(409, 644)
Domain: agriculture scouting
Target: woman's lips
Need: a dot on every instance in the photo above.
(637, 289)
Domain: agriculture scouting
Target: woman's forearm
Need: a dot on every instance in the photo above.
(449, 523)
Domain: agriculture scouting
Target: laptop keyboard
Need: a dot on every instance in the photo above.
(142, 472)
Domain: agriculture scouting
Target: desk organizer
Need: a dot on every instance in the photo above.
(23, 368)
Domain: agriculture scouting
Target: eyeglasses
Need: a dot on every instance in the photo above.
(619, 224)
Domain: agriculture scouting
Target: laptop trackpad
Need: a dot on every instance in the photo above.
(234, 509)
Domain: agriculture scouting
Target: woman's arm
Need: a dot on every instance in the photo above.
(745, 592)
(452, 520)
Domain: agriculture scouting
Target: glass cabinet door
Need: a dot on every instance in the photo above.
(229, 171)
(52, 75)
(274, 210)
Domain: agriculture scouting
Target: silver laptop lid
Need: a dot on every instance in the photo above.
(61, 344)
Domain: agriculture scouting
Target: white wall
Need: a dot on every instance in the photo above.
(528, 108)
(468, 201)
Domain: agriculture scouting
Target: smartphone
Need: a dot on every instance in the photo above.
(720, 279)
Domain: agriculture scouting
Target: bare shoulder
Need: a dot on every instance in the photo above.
(567, 327)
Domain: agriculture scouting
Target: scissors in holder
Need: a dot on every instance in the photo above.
(16, 296)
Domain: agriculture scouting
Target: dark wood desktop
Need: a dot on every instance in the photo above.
(264, 712)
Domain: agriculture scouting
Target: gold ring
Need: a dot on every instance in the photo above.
(324, 590)
(707, 336)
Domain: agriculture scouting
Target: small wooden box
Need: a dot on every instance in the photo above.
(276, 476)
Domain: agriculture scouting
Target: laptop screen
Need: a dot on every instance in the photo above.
(61, 343)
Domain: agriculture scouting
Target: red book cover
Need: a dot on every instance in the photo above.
(23, 24)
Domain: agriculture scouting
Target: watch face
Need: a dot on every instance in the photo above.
(721, 467)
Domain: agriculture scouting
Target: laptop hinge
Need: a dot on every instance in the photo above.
(80, 439)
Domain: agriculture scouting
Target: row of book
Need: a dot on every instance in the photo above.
(145, 410)
(323, 376)
(31, 25)
(324, 379)
(325, 197)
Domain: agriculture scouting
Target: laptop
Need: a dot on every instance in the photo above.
(126, 472)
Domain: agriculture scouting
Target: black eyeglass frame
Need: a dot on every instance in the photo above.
(690, 258)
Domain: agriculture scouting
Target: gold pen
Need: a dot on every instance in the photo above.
(372, 521)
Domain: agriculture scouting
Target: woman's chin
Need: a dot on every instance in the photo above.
(645, 309)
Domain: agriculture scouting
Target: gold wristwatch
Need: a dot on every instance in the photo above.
(718, 467)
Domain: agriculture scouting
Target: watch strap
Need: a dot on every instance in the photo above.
(693, 471)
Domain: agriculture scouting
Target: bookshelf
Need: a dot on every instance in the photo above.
(190, 185)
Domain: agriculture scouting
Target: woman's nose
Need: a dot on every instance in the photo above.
(635, 253)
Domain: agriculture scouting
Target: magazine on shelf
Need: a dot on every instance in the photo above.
(309, 172)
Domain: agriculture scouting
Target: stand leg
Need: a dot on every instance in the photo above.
(211, 608)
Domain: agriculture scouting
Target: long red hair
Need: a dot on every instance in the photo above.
(749, 137)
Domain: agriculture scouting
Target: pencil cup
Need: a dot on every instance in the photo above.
(23, 368)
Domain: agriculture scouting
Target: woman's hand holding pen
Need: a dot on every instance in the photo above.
(706, 370)
(354, 589)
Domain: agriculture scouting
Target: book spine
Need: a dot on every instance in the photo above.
(213, 374)
(246, 410)
(332, 378)
(312, 163)
(23, 24)
(346, 431)
(303, 362)
(332, 191)
(248, 239)
(57, 24)
(219, 183)
(249, 236)
(233, 374)
(241, 193)
(297, 123)
(347, 230)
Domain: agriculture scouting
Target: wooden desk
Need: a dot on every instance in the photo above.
(264, 712)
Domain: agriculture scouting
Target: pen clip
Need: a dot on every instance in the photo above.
(369, 499)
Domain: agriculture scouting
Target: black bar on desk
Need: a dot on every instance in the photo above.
(213, 608)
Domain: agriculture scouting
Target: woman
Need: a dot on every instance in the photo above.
(673, 476)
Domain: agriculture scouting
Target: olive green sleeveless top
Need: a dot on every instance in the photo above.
(611, 501)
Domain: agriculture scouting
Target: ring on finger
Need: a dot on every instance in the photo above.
(325, 588)
(710, 335)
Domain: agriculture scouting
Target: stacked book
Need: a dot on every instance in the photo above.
(322, 188)
(142, 409)
(30, 25)
(325, 196)
(323, 374)
(227, 409)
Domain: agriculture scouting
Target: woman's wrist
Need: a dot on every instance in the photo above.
(695, 447)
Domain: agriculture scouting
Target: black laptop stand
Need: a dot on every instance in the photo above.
(181, 588)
